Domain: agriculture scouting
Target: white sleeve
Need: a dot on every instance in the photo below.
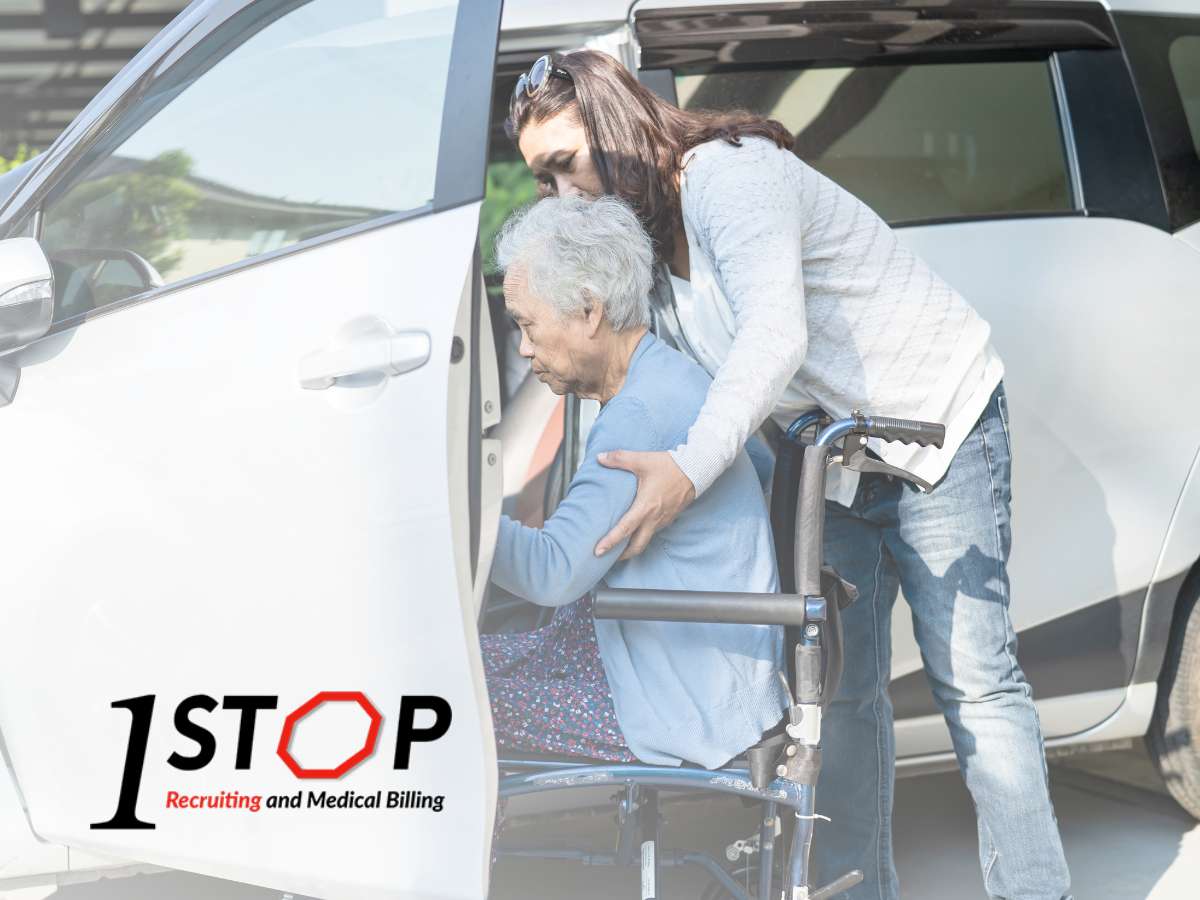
(744, 207)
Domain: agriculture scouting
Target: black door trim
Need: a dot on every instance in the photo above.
(1119, 175)
(466, 115)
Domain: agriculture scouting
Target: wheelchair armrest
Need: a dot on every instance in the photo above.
(699, 606)
(741, 609)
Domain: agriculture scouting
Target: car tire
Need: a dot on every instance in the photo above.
(1174, 737)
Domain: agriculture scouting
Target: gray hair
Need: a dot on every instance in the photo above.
(573, 249)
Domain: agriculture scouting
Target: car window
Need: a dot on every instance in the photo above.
(1164, 53)
(289, 122)
(510, 186)
(915, 142)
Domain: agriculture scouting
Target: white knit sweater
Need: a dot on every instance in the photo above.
(802, 297)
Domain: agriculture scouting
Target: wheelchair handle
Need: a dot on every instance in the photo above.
(906, 431)
(810, 500)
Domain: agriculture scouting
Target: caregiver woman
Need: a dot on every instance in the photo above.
(795, 295)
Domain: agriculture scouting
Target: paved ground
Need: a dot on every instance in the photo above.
(1124, 838)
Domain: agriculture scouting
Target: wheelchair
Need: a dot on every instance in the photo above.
(780, 771)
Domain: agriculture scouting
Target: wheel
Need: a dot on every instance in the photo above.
(1175, 728)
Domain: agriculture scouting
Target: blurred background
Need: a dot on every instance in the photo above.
(55, 55)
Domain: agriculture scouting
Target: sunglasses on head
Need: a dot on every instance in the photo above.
(535, 79)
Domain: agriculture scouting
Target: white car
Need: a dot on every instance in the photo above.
(251, 442)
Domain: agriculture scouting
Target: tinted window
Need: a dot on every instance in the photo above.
(1164, 52)
(289, 122)
(915, 142)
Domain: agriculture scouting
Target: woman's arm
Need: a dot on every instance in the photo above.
(745, 209)
(554, 565)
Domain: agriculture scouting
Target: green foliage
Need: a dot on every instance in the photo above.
(146, 210)
(509, 187)
(23, 154)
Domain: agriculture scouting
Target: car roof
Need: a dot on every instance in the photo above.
(522, 15)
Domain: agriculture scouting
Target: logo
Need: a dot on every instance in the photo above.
(247, 707)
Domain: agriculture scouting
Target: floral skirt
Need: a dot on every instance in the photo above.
(548, 689)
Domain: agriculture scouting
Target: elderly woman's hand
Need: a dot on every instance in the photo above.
(663, 492)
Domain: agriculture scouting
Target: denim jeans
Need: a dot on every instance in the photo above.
(949, 551)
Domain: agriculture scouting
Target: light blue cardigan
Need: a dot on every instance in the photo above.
(682, 691)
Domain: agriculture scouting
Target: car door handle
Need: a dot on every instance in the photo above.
(375, 349)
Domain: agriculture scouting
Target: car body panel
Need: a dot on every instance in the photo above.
(194, 522)
(335, 575)
(1183, 533)
(1065, 322)
(1190, 236)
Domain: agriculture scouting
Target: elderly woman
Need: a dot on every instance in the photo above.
(577, 281)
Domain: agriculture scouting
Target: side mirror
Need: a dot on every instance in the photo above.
(26, 292)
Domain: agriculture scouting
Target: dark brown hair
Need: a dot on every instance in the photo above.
(637, 140)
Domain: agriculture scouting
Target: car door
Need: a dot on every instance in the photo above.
(1008, 148)
(247, 503)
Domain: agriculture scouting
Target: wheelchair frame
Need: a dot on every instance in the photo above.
(781, 771)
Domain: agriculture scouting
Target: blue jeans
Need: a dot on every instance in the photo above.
(949, 551)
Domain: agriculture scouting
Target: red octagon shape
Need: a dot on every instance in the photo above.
(289, 725)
